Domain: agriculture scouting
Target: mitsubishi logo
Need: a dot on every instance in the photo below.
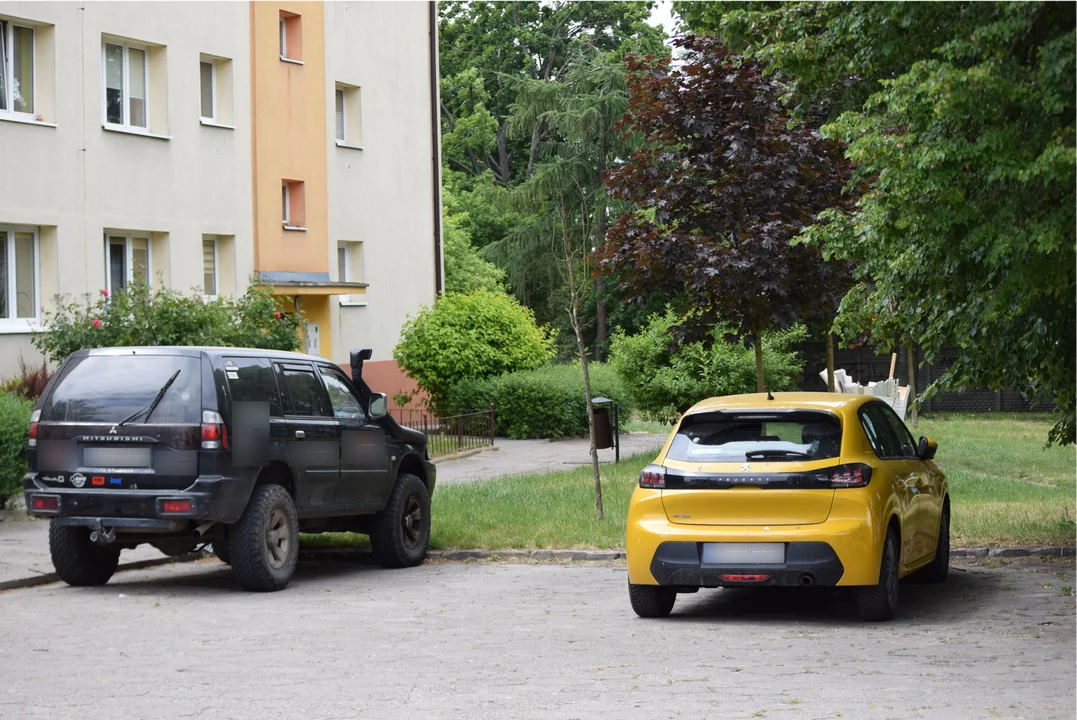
(113, 431)
(746, 467)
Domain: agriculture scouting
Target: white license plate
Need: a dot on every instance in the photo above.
(743, 553)
(117, 457)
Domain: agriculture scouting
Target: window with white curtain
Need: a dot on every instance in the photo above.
(16, 68)
(127, 259)
(209, 266)
(127, 71)
(18, 273)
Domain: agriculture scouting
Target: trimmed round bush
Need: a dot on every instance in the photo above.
(544, 403)
(14, 426)
(473, 335)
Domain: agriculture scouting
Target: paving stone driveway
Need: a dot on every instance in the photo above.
(456, 640)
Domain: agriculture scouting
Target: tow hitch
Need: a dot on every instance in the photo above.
(102, 535)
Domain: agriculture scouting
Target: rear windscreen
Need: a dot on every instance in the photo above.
(744, 437)
(108, 388)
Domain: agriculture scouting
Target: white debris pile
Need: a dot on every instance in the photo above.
(894, 395)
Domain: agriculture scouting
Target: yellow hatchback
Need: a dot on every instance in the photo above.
(790, 489)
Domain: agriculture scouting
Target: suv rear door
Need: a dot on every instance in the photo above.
(312, 433)
(364, 454)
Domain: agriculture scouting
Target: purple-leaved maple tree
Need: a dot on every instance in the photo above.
(723, 184)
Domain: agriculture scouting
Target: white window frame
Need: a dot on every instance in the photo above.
(213, 89)
(348, 246)
(126, 91)
(128, 258)
(283, 39)
(17, 323)
(216, 267)
(8, 70)
(286, 199)
(343, 92)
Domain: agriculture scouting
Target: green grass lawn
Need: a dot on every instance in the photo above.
(1006, 490)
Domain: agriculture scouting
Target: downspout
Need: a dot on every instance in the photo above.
(435, 147)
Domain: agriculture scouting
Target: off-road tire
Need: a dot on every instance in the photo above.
(878, 602)
(269, 518)
(937, 570)
(400, 534)
(651, 601)
(78, 561)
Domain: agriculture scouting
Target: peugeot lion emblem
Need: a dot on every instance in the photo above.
(746, 467)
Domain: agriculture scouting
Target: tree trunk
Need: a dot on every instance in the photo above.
(760, 371)
(830, 362)
(910, 358)
(574, 318)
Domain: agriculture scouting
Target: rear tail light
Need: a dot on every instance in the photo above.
(35, 416)
(744, 578)
(850, 476)
(175, 507)
(45, 503)
(653, 476)
(214, 433)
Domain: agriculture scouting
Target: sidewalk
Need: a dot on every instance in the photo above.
(24, 542)
(523, 457)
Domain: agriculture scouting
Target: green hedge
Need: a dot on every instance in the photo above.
(14, 424)
(543, 403)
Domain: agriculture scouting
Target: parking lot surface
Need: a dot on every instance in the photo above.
(455, 640)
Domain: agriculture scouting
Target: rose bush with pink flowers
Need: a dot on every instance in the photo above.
(141, 315)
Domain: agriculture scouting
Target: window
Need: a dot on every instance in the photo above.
(347, 113)
(127, 259)
(215, 90)
(291, 37)
(904, 437)
(209, 265)
(879, 431)
(743, 437)
(350, 267)
(18, 273)
(251, 380)
(304, 392)
(208, 74)
(127, 71)
(16, 68)
(344, 402)
(293, 205)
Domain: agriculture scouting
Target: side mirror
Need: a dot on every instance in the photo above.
(379, 405)
(927, 448)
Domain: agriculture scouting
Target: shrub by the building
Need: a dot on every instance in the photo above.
(472, 335)
(14, 425)
(141, 315)
(663, 384)
(544, 403)
(29, 383)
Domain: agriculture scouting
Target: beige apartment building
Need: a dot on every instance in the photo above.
(296, 142)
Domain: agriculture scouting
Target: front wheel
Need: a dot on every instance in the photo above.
(879, 602)
(401, 532)
(651, 601)
(264, 545)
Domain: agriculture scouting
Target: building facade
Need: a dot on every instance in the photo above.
(199, 145)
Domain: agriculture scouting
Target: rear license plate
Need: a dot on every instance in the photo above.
(743, 553)
(117, 457)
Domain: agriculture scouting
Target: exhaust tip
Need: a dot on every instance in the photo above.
(805, 579)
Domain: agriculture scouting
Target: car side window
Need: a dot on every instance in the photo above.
(305, 398)
(904, 437)
(880, 433)
(252, 380)
(344, 402)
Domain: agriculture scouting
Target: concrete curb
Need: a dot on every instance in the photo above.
(47, 578)
(1053, 551)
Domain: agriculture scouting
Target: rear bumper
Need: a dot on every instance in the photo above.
(213, 498)
(806, 563)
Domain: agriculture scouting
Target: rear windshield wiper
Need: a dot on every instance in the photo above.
(765, 454)
(153, 405)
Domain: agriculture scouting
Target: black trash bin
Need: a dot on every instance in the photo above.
(603, 429)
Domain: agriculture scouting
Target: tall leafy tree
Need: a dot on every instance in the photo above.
(725, 181)
(962, 118)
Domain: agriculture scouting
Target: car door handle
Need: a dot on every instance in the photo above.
(299, 434)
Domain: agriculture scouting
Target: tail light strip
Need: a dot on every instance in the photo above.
(854, 475)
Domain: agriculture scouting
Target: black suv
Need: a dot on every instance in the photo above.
(242, 449)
